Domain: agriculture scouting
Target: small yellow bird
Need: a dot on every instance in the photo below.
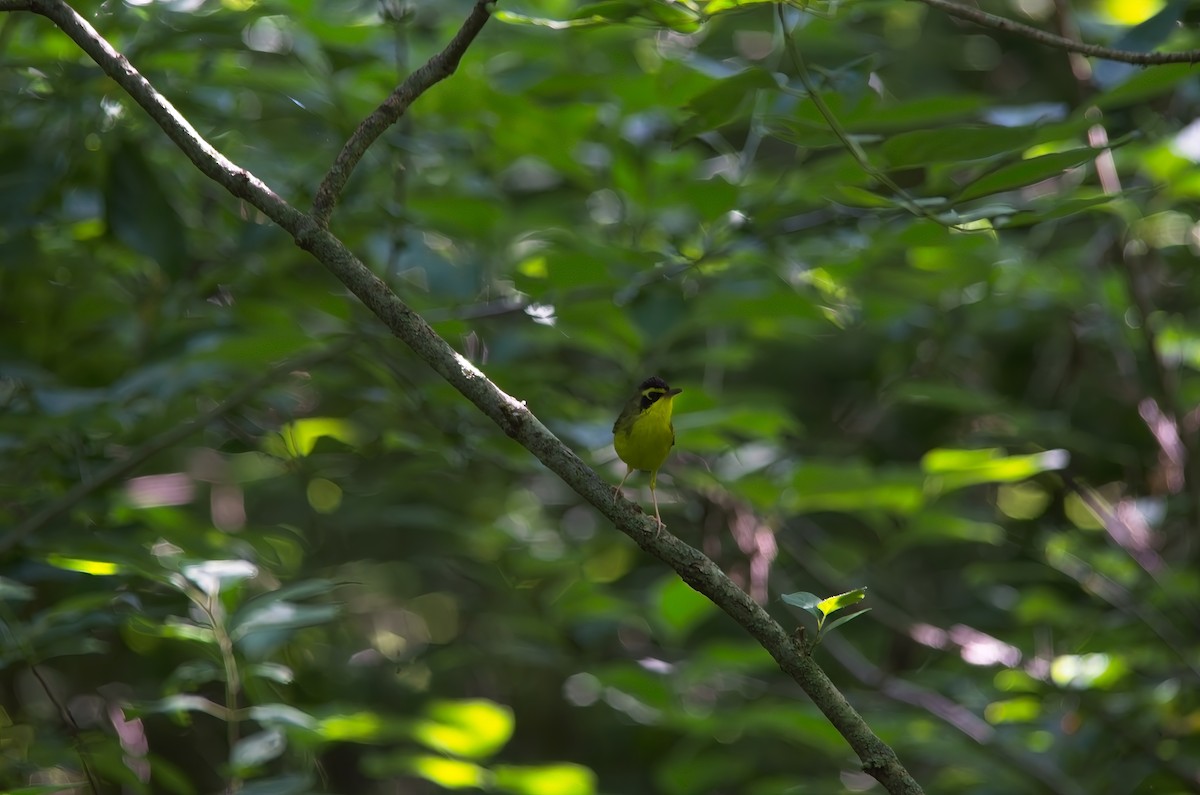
(643, 434)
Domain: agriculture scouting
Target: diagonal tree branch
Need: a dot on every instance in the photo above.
(511, 415)
(436, 69)
(987, 20)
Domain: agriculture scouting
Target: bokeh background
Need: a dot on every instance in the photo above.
(943, 347)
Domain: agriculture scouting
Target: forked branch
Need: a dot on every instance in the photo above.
(511, 415)
(436, 69)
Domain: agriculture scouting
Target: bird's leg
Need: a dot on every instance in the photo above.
(657, 518)
(617, 490)
(654, 496)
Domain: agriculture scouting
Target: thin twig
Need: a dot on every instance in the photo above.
(72, 727)
(852, 146)
(436, 69)
(1050, 40)
(210, 603)
(119, 469)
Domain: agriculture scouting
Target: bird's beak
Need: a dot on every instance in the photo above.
(673, 392)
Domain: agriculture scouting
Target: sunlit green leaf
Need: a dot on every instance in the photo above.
(297, 439)
(1087, 671)
(100, 568)
(560, 779)
(956, 469)
(474, 729)
(1014, 710)
(834, 603)
(717, 6)
(449, 774)
(362, 726)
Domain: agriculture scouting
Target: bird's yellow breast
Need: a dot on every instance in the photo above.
(647, 441)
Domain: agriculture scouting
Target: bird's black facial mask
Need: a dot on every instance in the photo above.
(654, 388)
(651, 395)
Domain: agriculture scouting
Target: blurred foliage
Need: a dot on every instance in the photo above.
(944, 348)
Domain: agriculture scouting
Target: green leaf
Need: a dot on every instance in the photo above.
(1041, 212)
(277, 616)
(178, 704)
(302, 589)
(1145, 84)
(192, 673)
(681, 608)
(363, 726)
(940, 527)
(282, 715)
(1027, 172)
(953, 144)
(923, 111)
(837, 622)
(1147, 35)
(859, 197)
(297, 439)
(851, 487)
(717, 6)
(674, 15)
(16, 591)
(560, 779)
(834, 603)
(271, 671)
(213, 575)
(181, 629)
(610, 10)
(955, 469)
(476, 728)
(723, 103)
(804, 600)
(252, 752)
(98, 568)
(446, 773)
